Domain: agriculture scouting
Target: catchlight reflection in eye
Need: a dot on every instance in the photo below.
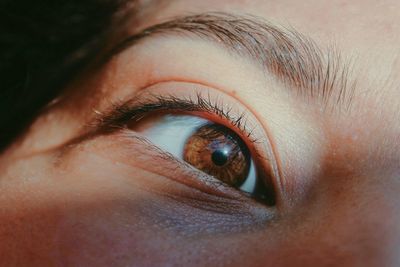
(209, 147)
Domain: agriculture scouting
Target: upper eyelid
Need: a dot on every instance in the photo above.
(127, 112)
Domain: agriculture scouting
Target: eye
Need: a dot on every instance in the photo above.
(221, 153)
(202, 130)
(212, 148)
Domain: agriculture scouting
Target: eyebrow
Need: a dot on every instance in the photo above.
(292, 58)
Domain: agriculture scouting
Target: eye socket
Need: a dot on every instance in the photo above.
(212, 148)
(174, 116)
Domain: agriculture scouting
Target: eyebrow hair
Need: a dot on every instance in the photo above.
(295, 60)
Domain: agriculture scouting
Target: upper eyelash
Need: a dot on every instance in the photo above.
(127, 112)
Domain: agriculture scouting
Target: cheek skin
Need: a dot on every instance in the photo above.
(99, 216)
(86, 210)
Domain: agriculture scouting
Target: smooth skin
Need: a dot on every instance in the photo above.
(101, 201)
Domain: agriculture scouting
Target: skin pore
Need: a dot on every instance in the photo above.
(73, 195)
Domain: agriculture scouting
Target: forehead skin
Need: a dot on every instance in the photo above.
(354, 220)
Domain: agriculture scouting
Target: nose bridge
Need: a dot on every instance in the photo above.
(355, 202)
(359, 216)
(387, 213)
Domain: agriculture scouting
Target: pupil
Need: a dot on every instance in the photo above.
(219, 157)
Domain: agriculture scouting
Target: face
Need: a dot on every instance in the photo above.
(221, 133)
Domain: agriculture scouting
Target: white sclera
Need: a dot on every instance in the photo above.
(250, 183)
(171, 132)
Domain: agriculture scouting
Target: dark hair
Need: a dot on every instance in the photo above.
(43, 45)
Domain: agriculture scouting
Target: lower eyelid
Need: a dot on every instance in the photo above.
(210, 190)
(181, 203)
(136, 151)
(177, 128)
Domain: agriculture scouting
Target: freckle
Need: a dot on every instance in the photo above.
(233, 92)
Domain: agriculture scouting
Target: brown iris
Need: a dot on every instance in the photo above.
(220, 152)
